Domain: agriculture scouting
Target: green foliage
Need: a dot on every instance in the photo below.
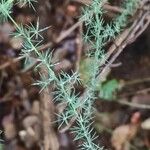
(98, 33)
(86, 70)
(1, 142)
(5, 8)
(1, 146)
(108, 89)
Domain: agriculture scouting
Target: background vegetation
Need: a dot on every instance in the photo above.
(67, 51)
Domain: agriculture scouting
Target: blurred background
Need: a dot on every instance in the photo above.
(122, 115)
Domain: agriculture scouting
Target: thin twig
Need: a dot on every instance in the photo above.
(142, 106)
(106, 6)
(80, 46)
(143, 91)
(7, 64)
(44, 46)
(127, 37)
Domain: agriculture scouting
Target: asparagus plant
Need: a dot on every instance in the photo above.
(98, 33)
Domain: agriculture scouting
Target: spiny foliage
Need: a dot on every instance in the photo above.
(1, 142)
(98, 33)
